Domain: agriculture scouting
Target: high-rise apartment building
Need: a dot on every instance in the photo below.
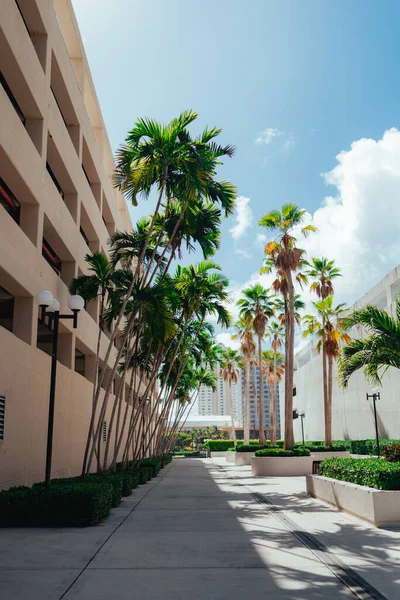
(57, 204)
(254, 420)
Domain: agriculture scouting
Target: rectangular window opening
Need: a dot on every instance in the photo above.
(12, 99)
(55, 180)
(6, 309)
(51, 257)
(9, 202)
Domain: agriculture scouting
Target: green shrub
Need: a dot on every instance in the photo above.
(251, 448)
(116, 480)
(72, 504)
(145, 473)
(219, 445)
(392, 453)
(153, 463)
(371, 472)
(273, 451)
(321, 448)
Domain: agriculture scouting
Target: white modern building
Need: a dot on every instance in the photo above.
(352, 413)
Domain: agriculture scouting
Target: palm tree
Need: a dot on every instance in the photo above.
(273, 367)
(330, 328)
(321, 272)
(258, 306)
(230, 370)
(244, 329)
(276, 333)
(287, 260)
(378, 350)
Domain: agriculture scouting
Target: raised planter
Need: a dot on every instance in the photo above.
(324, 455)
(220, 454)
(281, 466)
(230, 457)
(379, 507)
(243, 458)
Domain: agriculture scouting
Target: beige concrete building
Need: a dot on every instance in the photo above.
(57, 203)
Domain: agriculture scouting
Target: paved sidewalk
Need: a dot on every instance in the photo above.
(196, 532)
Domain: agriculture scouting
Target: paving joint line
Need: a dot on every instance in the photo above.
(357, 585)
(112, 533)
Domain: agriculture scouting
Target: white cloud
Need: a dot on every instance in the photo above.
(260, 240)
(243, 217)
(226, 339)
(268, 135)
(358, 226)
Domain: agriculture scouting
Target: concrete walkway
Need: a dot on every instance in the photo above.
(196, 532)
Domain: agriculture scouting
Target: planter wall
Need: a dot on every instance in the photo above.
(379, 507)
(220, 454)
(281, 466)
(230, 457)
(243, 458)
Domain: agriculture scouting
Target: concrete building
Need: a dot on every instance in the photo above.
(57, 204)
(352, 413)
(254, 420)
(216, 402)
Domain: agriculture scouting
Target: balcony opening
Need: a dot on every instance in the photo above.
(6, 309)
(79, 362)
(64, 103)
(32, 20)
(88, 232)
(15, 86)
(90, 173)
(108, 219)
(61, 179)
(12, 99)
(51, 257)
(9, 202)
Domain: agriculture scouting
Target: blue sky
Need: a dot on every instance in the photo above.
(301, 88)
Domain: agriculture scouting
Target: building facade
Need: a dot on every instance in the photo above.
(254, 418)
(57, 204)
(352, 414)
(216, 402)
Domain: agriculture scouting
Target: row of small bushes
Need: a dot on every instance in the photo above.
(321, 448)
(371, 472)
(272, 451)
(226, 445)
(71, 501)
(362, 447)
(186, 454)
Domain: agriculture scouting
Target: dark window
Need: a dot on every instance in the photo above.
(51, 257)
(294, 391)
(55, 180)
(9, 201)
(59, 108)
(85, 237)
(86, 175)
(12, 98)
(6, 309)
(79, 362)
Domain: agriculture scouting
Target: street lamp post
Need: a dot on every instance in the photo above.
(302, 415)
(375, 396)
(50, 308)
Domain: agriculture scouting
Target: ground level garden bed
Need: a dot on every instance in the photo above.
(368, 488)
(71, 501)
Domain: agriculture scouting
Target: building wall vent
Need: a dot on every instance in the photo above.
(2, 417)
(104, 431)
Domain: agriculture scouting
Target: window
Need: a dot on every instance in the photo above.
(85, 237)
(55, 180)
(6, 309)
(9, 202)
(2, 417)
(12, 99)
(51, 257)
(79, 362)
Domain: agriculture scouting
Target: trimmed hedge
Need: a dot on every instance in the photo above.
(73, 504)
(219, 445)
(116, 480)
(321, 448)
(145, 473)
(283, 453)
(251, 448)
(371, 472)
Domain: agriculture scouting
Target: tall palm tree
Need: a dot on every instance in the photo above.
(258, 306)
(273, 367)
(244, 329)
(287, 259)
(321, 273)
(276, 334)
(378, 350)
(230, 370)
(330, 327)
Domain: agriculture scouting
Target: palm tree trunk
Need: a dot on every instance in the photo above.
(289, 436)
(246, 388)
(272, 410)
(261, 433)
(233, 432)
(325, 389)
(328, 416)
